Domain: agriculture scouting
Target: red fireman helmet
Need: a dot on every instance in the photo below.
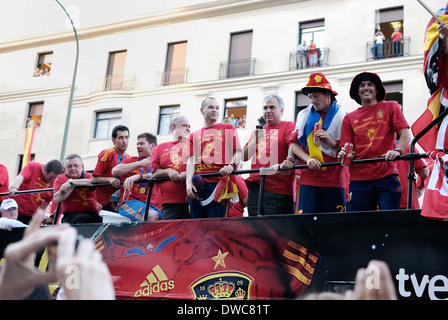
(318, 82)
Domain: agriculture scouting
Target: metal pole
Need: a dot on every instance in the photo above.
(70, 101)
(263, 173)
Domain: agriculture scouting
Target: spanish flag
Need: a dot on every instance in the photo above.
(428, 141)
(434, 70)
(29, 137)
(226, 189)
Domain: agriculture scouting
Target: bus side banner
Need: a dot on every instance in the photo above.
(270, 257)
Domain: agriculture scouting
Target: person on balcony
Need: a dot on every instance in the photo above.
(377, 48)
(313, 54)
(301, 55)
(397, 37)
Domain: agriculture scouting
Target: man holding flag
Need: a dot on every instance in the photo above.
(321, 189)
(435, 142)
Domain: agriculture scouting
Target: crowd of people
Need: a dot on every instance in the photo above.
(396, 41)
(308, 56)
(190, 176)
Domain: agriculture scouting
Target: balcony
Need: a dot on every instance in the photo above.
(172, 77)
(237, 68)
(295, 64)
(117, 82)
(389, 50)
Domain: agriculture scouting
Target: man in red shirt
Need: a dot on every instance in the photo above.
(107, 160)
(169, 159)
(321, 189)
(214, 148)
(4, 181)
(134, 169)
(372, 129)
(78, 205)
(267, 147)
(34, 176)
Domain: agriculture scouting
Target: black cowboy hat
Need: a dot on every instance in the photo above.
(367, 76)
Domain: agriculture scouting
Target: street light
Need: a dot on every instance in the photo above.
(70, 101)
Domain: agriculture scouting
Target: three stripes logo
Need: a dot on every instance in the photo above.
(156, 282)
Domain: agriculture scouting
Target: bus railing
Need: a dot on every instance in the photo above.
(411, 157)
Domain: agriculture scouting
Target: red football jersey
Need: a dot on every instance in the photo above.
(214, 148)
(33, 179)
(372, 131)
(107, 160)
(171, 155)
(140, 190)
(80, 200)
(273, 149)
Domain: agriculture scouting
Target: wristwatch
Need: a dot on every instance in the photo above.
(70, 181)
(398, 149)
(290, 158)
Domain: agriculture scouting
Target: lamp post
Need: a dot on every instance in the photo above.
(70, 101)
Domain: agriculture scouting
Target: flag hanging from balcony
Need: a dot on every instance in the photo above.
(29, 137)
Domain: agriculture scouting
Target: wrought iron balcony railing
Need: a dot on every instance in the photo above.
(297, 61)
(388, 49)
(173, 77)
(237, 68)
(118, 82)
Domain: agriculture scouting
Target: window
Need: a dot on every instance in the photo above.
(235, 112)
(389, 21)
(166, 115)
(394, 92)
(312, 30)
(115, 71)
(240, 62)
(175, 72)
(20, 167)
(34, 117)
(43, 66)
(105, 122)
(302, 101)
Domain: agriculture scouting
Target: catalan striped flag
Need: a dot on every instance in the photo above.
(29, 137)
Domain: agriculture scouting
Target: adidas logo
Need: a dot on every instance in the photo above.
(155, 282)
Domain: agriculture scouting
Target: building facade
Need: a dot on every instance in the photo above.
(142, 62)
